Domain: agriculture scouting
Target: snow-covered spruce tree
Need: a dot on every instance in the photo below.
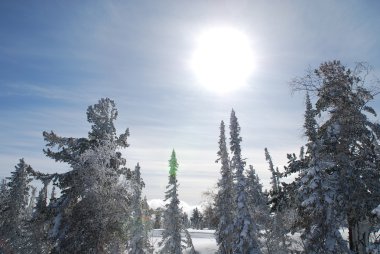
(318, 195)
(275, 234)
(171, 242)
(257, 200)
(31, 203)
(139, 242)
(196, 219)
(245, 230)
(350, 139)
(14, 213)
(157, 218)
(224, 200)
(275, 178)
(210, 219)
(91, 213)
(3, 195)
(147, 214)
(37, 238)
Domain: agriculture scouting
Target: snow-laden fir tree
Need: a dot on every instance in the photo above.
(148, 222)
(257, 200)
(14, 213)
(196, 219)
(38, 227)
(139, 242)
(245, 230)
(172, 224)
(3, 195)
(275, 234)
(31, 203)
(210, 219)
(224, 200)
(318, 195)
(349, 139)
(90, 214)
(275, 178)
(157, 218)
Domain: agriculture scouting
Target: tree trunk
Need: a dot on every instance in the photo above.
(358, 232)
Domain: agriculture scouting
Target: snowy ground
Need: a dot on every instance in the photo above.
(203, 240)
(205, 243)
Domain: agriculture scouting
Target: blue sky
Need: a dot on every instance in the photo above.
(59, 57)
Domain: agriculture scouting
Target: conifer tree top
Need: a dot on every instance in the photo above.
(173, 164)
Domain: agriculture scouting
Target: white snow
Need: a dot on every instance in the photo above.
(203, 240)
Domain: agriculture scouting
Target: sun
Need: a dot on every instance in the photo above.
(223, 59)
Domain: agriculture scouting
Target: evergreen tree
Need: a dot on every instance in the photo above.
(171, 242)
(348, 140)
(275, 234)
(245, 229)
(4, 193)
(257, 200)
(157, 218)
(318, 193)
(210, 219)
(275, 178)
(3, 196)
(147, 213)
(3, 189)
(38, 227)
(224, 201)
(52, 195)
(14, 213)
(88, 215)
(186, 220)
(196, 219)
(139, 243)
(31, 203)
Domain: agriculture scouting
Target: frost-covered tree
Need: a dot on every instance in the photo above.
(139, 242)
(257, 200)
(31, 203)
(147, 219)
(171, 242)
(275, 233)
(89, 215)
(4, 193)
(224, 200)
(14, 213)
(349, 140)
(210, 220)
(318, 195)
(38, 226)
(157, 218)
(3, 188)
(245, 230)
(4, 197)
(275, 177)
(196, 219)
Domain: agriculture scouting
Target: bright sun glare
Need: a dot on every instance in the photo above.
(223, 59)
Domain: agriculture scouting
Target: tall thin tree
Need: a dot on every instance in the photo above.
(224, 201)
(171, 242)
(245, 229)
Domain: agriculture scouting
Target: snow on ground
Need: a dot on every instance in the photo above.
(203, 240)
(205, 243)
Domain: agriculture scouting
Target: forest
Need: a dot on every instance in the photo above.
(331, 205)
